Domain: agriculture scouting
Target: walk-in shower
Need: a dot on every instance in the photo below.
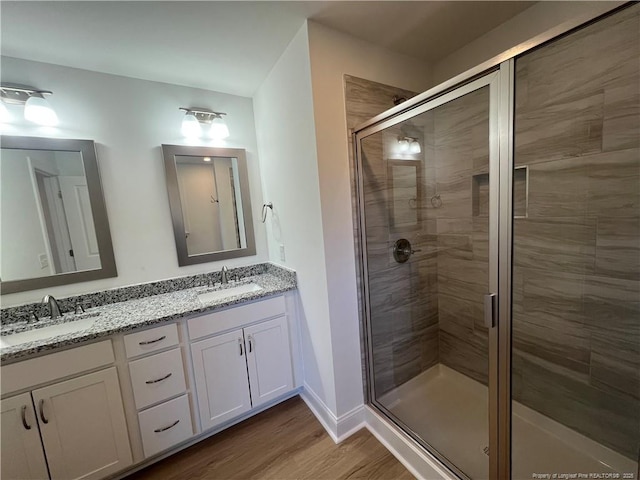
(499, 231)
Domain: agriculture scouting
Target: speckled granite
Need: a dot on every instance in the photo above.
(97, 299)
(115, 316)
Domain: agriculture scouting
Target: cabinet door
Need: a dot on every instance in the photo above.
(21, 449)
(268, 360)
(83, 426)
(222, 385)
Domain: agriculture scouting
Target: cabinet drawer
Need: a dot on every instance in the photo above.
(157, 377)
(151, 340)
(165, 425)
(235, 317)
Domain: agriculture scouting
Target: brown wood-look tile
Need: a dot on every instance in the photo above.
(285, 442)
(545, 243)
(621, 128)
(559, 130)
(553, 339)
(365, 99)
(606, 416)
(583, 62)
(618, 248)
(613, 184)
(468, 356)
(558, 188)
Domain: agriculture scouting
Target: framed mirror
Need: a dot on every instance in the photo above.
(53, 220)
(210, 203)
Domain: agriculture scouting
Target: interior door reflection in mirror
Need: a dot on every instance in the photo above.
(47, 223)
(211, 203)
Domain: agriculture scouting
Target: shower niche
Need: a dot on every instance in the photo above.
(480, 193)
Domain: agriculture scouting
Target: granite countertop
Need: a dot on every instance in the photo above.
(132, 314)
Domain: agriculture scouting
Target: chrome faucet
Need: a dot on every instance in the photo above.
(54, 308)
(224, 275)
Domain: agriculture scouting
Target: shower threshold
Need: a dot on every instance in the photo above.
(449, 411)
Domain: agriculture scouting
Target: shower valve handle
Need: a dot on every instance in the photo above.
(402, 250)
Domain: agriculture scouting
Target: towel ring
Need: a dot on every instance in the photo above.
(264, 210)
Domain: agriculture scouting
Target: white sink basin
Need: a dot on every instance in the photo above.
(47, 332)
(229, 292)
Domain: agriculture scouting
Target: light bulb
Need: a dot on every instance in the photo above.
(219, 129)
(207, 159)
(403, 145)
(5, 116)
(191, 126)
(414, 147)
(38, 110)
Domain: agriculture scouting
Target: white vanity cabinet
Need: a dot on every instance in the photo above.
(159, 388)
(21, 448)
(83, 428)
(81, 421)
(244, 367)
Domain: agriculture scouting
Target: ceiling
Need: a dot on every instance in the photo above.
(228, 46)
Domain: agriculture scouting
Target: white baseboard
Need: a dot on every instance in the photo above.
(338, 428)
(416, 460)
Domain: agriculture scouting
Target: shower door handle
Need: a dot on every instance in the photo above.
(490, 310)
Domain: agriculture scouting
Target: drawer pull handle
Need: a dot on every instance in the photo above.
(241, 347)
(149, 382)
(149, 342)
(44, 419)
(24, 418)
(159, 430)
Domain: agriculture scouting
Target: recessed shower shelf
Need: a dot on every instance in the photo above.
(480, 193)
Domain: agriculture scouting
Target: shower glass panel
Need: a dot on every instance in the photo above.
(426, 180)
(576, 254)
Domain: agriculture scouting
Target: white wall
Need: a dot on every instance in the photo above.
(333, 55)
(287, 144)
(535, 20)
(129, 119)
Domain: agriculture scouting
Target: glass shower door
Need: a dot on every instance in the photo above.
(576, 254)
(428, 211)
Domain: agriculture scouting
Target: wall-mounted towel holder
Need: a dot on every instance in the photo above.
(265, 206)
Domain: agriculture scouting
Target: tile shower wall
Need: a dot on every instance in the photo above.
(429, 309)
(403, 299)
(461, 155)
(576, 319)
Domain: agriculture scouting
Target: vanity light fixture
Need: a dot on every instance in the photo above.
(36, 108)
(5, 116)
(196, 117)
(191, 126)
(409, 145)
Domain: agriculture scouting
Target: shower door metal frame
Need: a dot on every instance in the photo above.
(500, 98)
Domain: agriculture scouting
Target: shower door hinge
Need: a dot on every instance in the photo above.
(490, 310)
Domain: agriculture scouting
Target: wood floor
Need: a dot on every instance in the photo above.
(284, 442)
